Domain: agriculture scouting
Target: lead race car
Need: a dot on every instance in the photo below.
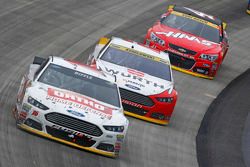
(144, 77)
(73, 104)
(197, 43)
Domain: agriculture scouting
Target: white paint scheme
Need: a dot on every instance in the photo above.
(39, 91)
(144, 88)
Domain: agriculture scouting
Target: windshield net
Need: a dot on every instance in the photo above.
(193, 26)
(139, 61)
(81, 83)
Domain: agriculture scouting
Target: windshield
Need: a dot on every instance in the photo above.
(81, 83)
(198, 28)
(139, 61)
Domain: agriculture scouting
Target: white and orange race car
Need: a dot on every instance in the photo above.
(72, 103)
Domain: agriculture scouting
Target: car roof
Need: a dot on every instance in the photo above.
(75, 65)
(191, 12)
(141, 48)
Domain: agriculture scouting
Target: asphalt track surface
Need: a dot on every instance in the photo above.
(224, 136)
(66, 28)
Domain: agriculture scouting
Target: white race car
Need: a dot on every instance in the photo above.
(72, 103)
(144, 77)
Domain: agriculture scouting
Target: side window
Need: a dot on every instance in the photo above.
(41, 68)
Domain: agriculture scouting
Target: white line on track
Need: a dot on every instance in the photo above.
(209, 95)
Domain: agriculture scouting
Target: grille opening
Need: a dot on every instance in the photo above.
(134, 110)
(201, 70)
(157, 115)
(34, 124)
(74, 124)
(182, 50)
(180, 61)
(106, 147)
(136, 97)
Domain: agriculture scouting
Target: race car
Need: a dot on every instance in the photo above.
(144, 77)
(72, 103)
(196, 42)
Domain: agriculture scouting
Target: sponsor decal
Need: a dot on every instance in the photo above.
(134, 77)
(71, 132)
(179, 53)
(206, 65)
(138, 53)
(135, 72)
(23, 115)
(182, 50)
(109, 136)
(198, 19)
(180, 35)
(117, 146)
(71, 136)
(120, 138)
(35, 113)
(79, 101)
(83, 75)
(131, 103)
(76, 113)
(26, 107)
(134, 83)
(132, 87)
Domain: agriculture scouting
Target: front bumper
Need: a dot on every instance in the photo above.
(108, 144)
(158, 113)
(191, 72)
(43, 134)
(156, 121)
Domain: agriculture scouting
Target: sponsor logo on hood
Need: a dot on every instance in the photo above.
(185, 36)
(76, 113)
(132, 87)
(134, 77)
(79, 101)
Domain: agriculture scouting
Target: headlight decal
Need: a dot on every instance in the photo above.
(209, 57)
(157, 39)
(114, 128)
(36, 103)
(165, 99)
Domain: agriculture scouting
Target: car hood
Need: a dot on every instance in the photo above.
(135, 81)
(184, 39)
(76, 105)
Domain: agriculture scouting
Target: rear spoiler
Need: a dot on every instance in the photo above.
(224, 25)
(171, 7)
(103, 41)
(38, 60)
